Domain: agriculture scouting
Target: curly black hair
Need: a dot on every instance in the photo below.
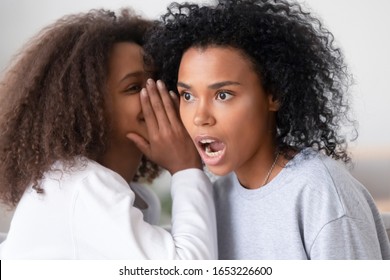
(294, 55)
(53, 97)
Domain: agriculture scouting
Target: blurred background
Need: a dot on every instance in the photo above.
(361, 29)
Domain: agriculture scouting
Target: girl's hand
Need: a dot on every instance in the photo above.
(169, 145)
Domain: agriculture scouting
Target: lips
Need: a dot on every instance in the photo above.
(211, 149)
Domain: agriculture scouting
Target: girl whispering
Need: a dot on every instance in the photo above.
(68, 103)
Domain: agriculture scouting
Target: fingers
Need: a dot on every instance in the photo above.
(157, 104)
(148, 112)
(175, 99)
(169, 102)
(140, 142)
(165, 105)
(169, 144)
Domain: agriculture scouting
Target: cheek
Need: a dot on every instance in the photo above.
(126, 116)
(126, 113)
(242, 124)
(186, 116)
(237, 117)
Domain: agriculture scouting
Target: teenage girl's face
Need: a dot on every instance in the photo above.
(126, 78)
(225, 109)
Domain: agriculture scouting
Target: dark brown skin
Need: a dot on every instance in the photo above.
(61, 99)
(169, 143)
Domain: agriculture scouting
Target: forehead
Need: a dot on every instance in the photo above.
(224, 52)
(221, 60)
(124, 53)
(125, 57)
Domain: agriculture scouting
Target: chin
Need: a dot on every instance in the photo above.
(219, 171)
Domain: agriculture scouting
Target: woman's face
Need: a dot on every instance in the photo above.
(126, 78)
(225, 109)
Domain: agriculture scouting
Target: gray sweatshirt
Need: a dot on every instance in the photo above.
(313, 209)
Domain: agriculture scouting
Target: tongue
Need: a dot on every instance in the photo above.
(216, 146)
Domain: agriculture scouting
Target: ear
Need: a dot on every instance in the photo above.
(273, 103)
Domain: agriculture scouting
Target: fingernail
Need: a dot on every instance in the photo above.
(160, 84)
(173, 94)
(144, 92)
(150, 82)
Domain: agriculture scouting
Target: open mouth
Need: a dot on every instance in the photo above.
(211, 147)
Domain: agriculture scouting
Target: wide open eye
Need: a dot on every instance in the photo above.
(223, 95)
(186, 96)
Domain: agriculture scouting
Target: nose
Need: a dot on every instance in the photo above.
(203, 115)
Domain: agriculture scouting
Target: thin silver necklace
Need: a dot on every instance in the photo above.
(271, 169)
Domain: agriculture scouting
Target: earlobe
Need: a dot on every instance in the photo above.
(274, 103)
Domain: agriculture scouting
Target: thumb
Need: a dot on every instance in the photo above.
(140, 142)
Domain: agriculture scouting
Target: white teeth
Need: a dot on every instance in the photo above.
(207, 141)
(212, 154)
(206, 146)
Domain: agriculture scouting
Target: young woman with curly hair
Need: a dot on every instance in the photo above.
(69, 107)
(263, 94)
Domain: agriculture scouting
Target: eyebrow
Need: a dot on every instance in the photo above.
(212, 86)
(133, 74)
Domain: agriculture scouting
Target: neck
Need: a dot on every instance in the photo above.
(253, 174)
(123, 161)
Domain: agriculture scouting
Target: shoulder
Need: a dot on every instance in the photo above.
(103, 182)
(334, 174)
(328, 183)
(317, 168)
(83, 174)
(99, 190)
(75, 169)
